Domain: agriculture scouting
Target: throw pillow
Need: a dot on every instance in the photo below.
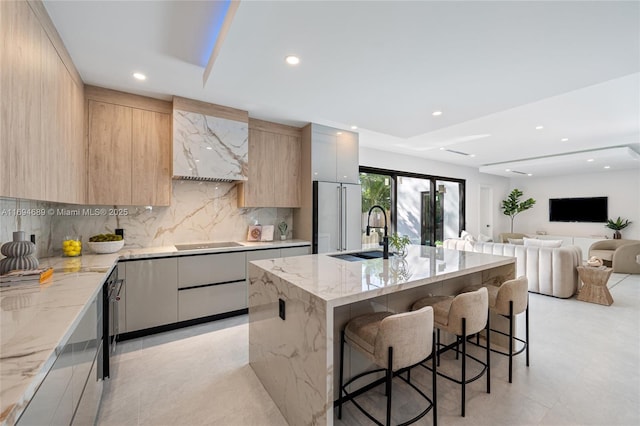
(533, 242)
(467, 236)
(516, 241)
(485, 239)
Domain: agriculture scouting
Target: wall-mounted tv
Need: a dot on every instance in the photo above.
(592, 209)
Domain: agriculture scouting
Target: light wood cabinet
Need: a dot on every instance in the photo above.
(129, 149)
(41, 119)
(109, 154)
(151, 151)
(20, 86)
(274, 166)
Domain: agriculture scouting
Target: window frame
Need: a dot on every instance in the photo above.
(394, 174)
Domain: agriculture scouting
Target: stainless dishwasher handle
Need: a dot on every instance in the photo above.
(339, 217)
(344, 218)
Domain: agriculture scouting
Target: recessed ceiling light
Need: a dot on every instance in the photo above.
(607, 167)
(507, 170)
(209, 148)
(292, 60)
(436, 113)
(472, 155)
(442, 148)
(339, 133)
(539, 127)
(354, 127)
(590, 160)
(564, 139)
(529, 174)
(139, 76)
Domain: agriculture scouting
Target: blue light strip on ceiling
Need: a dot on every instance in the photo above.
(214, 30)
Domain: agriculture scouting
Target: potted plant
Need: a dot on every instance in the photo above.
(282, 227)
(399, 244)
(512, 206)
(617, 225)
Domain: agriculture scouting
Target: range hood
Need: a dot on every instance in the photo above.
(208, 147)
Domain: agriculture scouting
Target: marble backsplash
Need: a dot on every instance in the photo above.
(199, 211)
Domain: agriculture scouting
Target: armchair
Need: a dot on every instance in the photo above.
(620, 254)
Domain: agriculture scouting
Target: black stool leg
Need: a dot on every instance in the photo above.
(438, 347)
(489, 351)
(510, 341)
(434, 376)
(527, 328)
(464, 363)
(341, 374)
(389, 379)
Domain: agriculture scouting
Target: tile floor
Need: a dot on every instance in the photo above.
(585, 370)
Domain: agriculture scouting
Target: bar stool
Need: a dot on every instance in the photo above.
(509, 300)
(462, 315)
(396, 343)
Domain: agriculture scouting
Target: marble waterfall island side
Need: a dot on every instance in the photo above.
(294, 357)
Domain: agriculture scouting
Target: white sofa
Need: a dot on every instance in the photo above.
(550, 271)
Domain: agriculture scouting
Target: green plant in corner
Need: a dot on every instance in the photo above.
(399, 243)
(282, 227)
(512, 206)
(617, 225)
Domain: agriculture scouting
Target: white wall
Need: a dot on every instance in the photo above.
(474, 179)
(622, 188)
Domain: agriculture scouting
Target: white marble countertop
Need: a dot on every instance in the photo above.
(36, 320)
(338, 282)
(164, 251)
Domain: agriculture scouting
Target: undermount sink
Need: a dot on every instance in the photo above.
(360, 255)
(199, 246)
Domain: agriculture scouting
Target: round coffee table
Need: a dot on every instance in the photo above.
(594, 285)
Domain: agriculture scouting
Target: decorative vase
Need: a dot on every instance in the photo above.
(400, 252)
(283, 237)
(617, 235)
(19, 254)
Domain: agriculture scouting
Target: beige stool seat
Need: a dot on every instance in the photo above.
(462, 315)
(396, 343)
(509, 299)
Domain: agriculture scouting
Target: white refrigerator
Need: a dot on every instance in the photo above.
(336, 217)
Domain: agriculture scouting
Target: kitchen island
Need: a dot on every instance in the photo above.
(297, 307)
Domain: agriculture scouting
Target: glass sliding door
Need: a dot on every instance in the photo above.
(427, 209)
(448, 207)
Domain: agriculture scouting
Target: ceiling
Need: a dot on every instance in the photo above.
(497, 70)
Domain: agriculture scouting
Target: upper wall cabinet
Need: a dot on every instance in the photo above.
(41, 114)
(334, 155)
(129, 160)
(274, 166)
(209, 141)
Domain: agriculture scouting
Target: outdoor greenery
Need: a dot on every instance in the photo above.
(399, 242)
(375, 191)
(512, 206)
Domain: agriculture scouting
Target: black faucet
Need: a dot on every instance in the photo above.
(385, 239)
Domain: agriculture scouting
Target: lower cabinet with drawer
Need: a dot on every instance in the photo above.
(173, 292)
(209, 300)
(211, 284)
